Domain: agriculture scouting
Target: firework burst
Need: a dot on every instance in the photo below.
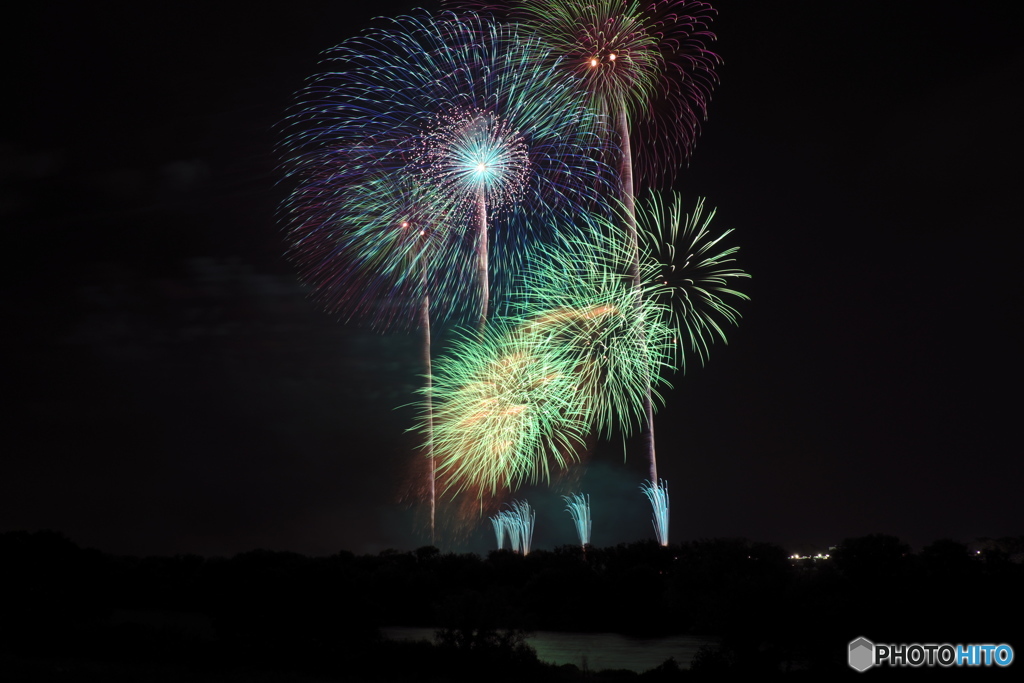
(504, 412)
(466, 111)
(609, 46)
(696, 269)
(641, 63)
(578, 299)
(384, 244)
(466, 152)
(517, 523)
(644, 64)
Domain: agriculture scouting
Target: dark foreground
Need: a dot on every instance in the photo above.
(73, 614)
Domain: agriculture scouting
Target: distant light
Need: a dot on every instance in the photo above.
(405, 224)
(593, 61)
(611, 57)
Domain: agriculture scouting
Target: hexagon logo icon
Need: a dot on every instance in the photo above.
(862, 654)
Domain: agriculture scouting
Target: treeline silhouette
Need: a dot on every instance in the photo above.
(107, 617)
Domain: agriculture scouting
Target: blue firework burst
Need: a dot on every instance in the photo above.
(464, 116)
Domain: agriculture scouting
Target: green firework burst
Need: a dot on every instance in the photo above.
(579, 298)
(504, 411)
(695, 268)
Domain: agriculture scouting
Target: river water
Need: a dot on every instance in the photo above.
(593, 651)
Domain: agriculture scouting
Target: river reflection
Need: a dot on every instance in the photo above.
(594, 651)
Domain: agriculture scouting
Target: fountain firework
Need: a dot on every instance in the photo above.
(696, 268)
(578, 507)
(499, 522)
(658, 495)
(517, 522)
(521, 517)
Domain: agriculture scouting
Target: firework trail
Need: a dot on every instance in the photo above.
(658, 495)
(414, 142)
(505, 411)
(578, 507)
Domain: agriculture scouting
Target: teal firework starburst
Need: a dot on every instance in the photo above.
(657, 494)
(471, 114)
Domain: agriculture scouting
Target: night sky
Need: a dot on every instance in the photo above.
(171, 386)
